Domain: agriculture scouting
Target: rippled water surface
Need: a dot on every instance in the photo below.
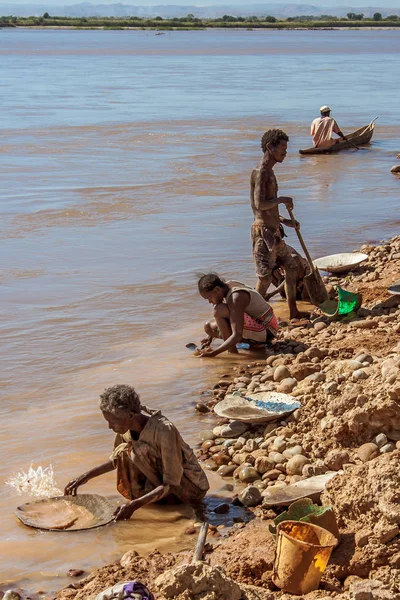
(124, 165)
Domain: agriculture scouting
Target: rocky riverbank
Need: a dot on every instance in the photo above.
(346, 375)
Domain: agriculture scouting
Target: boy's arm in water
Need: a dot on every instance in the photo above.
(72, 487)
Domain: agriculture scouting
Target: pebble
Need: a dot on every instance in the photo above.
(248, 474)
(276, 457)
(221, 459)
(320, 326)
(295, 465)
(314, 352)
(11, 595)
(387, 448)
(281, 373)
(229, 443)
(207, 434)
(234, 429)
(316, 377)
(226, 470)
(263, 464)
(279, 444)
(75, 572)
(251, 445)
(222, 508)
(207, 445)
(287, 385)
(367, 452)
(380, 440)
(202, 408)
(211, 465)
(272, 475)
(336, 459)
(359, 374)
(362, 358)
(290, 452)
(313, 470)
(250, 496)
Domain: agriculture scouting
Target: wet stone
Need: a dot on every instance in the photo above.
(202, 408)
(211, 465)
(76, 572)
(248, 474)
(222, 508)
(226, 470)
(207, 434)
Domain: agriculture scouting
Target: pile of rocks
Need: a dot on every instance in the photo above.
(346, 375)
(350, 414)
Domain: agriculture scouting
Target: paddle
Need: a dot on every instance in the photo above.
(351, 144)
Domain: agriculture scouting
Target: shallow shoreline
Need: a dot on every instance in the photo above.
(169, 29)
(372, 333)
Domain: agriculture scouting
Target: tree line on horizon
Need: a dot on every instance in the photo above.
(190, 21)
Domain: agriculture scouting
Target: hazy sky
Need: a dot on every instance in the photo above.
(352, 3)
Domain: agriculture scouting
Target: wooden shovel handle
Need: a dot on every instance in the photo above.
(310, 262)
(198, 553)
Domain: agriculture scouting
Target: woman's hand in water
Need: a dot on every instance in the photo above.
(206, 342)
(72, 487)
(125, 511)
(206, 353)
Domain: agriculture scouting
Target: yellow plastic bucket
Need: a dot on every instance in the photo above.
(302, 553)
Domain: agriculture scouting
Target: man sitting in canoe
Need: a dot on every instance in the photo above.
(323, 127)
(150, 456)
(240, 313)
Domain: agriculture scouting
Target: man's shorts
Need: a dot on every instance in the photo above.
(270, 251)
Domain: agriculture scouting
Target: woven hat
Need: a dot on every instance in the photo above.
(324, 109)
(67, 513)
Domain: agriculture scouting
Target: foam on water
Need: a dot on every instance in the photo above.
(36, 482)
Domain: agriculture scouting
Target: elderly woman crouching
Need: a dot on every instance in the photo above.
(150, 456)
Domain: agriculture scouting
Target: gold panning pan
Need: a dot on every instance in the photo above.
(67, 513)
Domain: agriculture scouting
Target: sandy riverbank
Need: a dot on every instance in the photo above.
(346, 374)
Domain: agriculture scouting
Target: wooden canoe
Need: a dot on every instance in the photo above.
(359, 137)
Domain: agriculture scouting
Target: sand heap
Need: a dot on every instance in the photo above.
(346, 374)
(200, 581)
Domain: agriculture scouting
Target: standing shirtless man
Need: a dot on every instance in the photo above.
(269, 249)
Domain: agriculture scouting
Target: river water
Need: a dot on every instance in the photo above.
(124, 161)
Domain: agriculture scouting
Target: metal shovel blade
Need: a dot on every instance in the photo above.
(315, 288)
